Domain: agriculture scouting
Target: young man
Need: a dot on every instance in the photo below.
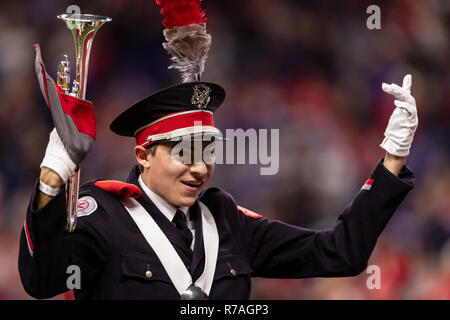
(163, 235)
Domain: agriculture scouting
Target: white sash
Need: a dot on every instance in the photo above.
(166, 253)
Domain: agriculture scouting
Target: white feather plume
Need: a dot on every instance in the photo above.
(188, 46)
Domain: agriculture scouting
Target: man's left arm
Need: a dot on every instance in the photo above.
(394, 163)
(280, 250)
(277, 249)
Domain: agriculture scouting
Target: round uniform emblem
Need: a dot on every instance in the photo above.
(86, 206)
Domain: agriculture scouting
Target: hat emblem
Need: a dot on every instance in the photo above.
(201, 97)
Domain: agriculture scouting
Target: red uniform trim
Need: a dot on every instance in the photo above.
(369, 181)
(119, 189)
(248, 213)
(28, 236)
(176, 122)
(68, 295)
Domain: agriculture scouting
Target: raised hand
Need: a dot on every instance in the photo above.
(403, 122)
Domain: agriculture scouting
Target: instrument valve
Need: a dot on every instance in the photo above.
(75, 88)
(63, 74)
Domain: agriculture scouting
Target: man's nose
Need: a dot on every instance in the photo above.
(199, 169)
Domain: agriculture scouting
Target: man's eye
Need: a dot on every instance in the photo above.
(184, 152)
(187, 153)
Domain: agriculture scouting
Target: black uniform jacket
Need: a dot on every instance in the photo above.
(114, 257)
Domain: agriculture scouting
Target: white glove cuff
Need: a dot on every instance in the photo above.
(393, 148)
(57, 158)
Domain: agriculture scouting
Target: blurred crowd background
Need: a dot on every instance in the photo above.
(309, 68)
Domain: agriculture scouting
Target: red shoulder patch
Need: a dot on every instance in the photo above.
(119, 189)
(249, 213)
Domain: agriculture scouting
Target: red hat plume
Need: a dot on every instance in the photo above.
(188, 42)
(181, 12)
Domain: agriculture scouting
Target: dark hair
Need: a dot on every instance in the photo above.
(152, 151)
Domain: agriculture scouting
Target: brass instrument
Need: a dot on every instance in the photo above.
(83, 27)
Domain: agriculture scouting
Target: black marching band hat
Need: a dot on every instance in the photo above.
(185, 109)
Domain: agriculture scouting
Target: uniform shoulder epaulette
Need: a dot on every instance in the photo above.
(248, 213)
(213, 193)
(118, 188)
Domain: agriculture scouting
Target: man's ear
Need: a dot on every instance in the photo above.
(142, 156)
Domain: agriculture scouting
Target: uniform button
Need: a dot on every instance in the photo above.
(233, 272)
(148, 274)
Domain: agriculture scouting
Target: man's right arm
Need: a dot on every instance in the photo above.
(47, 249)
(42, 253)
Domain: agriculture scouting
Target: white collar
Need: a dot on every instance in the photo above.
(166, 208)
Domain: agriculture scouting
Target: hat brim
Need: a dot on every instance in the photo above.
(191, 137)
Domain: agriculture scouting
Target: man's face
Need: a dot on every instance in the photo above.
(178, 182)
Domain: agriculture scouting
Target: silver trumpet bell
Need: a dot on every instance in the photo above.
(83, 27)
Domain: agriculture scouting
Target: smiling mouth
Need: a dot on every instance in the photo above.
(195, 185)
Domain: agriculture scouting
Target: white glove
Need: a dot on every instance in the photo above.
(403, 122)
(57, 158)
